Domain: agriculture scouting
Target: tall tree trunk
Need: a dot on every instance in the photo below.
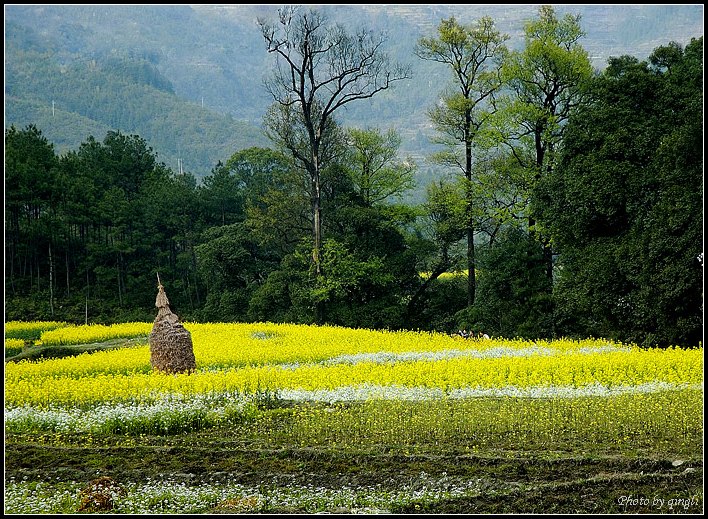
(547, 256)
(317, 224)
(87, 295)
(51, 281)
(120, 292)
(13, 248)
(548, 260)
(317, 237)
(471, 278)
(194, 275)
(471, 267)
(67, 269)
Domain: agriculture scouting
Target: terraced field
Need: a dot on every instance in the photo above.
(301, 419)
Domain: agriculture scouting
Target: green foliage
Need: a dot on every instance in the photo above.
(87, 230)
(624, 207)
(361, 286)
(513, 293)
(232, 267)
(375, 172)
(366, 266)
(286, 294)
(446, 210)
(440, 304)
(473, 54)
(545, 82)
(360, 292)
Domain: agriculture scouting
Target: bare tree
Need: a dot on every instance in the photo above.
(319, 68)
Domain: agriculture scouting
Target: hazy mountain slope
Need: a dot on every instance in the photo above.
(193, 75)
(63, 129)
(71, 88)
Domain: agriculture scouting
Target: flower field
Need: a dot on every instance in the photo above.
(352, 389)
(30, 330)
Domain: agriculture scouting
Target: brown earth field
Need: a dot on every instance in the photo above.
(573, 479)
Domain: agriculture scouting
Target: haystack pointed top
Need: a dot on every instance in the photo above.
(161, 301)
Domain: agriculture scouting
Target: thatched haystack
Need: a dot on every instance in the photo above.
(171, 349)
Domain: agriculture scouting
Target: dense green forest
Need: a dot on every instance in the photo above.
(584, 210)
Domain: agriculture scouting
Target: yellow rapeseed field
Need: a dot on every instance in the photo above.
(235, 357)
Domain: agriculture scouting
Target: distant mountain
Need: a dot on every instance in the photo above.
(71, 93)
(188, 78)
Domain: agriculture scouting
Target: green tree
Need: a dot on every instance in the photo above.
(545, 82)
(320, 68)
(514, 294)
(33, 235)
(233, 267)
(114, 173)
(254, 195)
(256, 170)
(369, 264)
(222, 194)
(88, 229)
(624, 206)
(375, 171)
(474, 55)
(276, 199)
(441, 226)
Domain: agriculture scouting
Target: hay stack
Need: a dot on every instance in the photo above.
(171, 348)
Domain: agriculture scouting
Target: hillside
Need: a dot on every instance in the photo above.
(188, 79)
(72, 96)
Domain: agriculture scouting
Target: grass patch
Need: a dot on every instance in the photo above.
(280, 463)
(52, 351)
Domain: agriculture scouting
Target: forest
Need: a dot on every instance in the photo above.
(572, 206)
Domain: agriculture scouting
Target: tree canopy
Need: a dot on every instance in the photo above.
(624, 206)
